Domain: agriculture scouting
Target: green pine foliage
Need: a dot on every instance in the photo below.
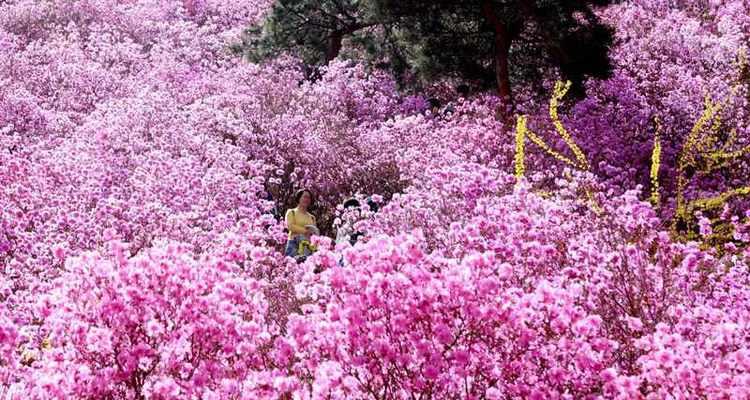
(486, 43)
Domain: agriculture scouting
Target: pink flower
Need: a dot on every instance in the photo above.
(167, 388)
(431, 372)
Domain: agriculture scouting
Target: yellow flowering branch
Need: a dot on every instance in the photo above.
(717, 201)
(704, 152)
(655, 164)
(539, 142)
(561, 89)
(521, 130)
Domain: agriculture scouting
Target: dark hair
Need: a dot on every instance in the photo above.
(298, 196)
(372, 204)
(434, 103)
(351, 203)
(463, 89)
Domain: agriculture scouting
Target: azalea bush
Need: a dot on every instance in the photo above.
(522, 297)
(141, 162)
(668, 61)
(159, 326)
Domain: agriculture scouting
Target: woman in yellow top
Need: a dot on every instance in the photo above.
(299, 222)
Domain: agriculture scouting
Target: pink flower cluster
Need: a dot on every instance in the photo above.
(161, 325)
(669, 58)
(139, 258)
(523, 297)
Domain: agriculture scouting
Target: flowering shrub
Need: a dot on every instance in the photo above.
(524, 297)
(401, 323)
(9, 339)
(669, 58)
(139, 257)
(159, 325)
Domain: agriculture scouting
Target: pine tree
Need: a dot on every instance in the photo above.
(485, 42)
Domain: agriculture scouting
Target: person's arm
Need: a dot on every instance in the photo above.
(315, 224)
(292, 225)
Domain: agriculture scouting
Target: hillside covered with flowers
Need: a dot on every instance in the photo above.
(588, 246)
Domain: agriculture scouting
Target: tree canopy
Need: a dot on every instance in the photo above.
(487, 43)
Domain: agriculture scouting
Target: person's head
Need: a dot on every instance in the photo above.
(434, 103)
(372, 204)
(304, 198)
(351, 203)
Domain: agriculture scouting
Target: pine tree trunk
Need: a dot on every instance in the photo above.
(502, 72)
(501, 50)
(334, 46)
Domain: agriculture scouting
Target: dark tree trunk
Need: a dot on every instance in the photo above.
(335, 40)
(502, 44)
(334, 46)
(502, 72)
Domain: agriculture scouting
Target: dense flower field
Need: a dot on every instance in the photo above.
(140, 160)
